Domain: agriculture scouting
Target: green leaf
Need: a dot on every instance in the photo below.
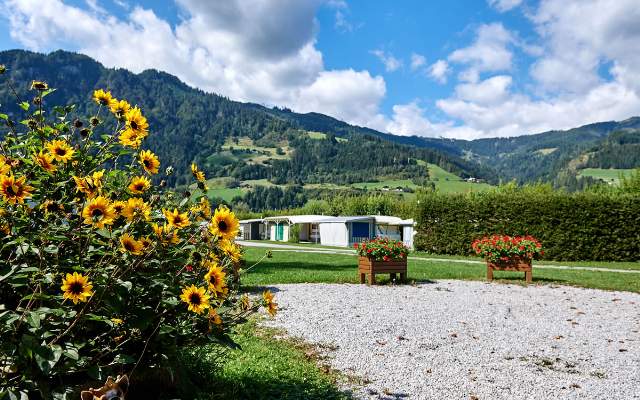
(4, 117)
(24, 105)
(72, 353)
(33, 319)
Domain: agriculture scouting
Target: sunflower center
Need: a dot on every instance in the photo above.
(222, 226)
(12, 190)
(177, 220)
(195, 299)
(134, 125)
(213, 279)
(139, 186)
(60, 151)
(96, 212)
(147, 162)
(129, 245)
(76, 287)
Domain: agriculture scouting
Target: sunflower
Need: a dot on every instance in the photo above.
(139, 185)
(214, 317)
(103, 98)
(98, 212)
(146, 242)
(271, 306)
(149, 161)
(5, 166)
(196, 298)
(76, 288)
(50, 206)
(118, 207)
(119, 108)
(130, 138)
(60, 150)
(130, 245)
(231, 250)
(45, 161)
(136, 208)
(165, 233)
(215, 277)
(197, 173)
(176, 219)
(90, 184)
(137, 123)
(224, 223)
(14, 190)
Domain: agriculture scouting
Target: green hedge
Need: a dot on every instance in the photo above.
(582, 226)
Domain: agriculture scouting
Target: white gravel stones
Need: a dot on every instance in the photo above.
(472, 340)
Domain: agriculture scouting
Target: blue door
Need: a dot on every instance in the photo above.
(359, 231)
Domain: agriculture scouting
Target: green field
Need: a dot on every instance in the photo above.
(321, 136)
(447, 182)
(390, 183)
(607, 175)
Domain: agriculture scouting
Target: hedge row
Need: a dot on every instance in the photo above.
(582, 226)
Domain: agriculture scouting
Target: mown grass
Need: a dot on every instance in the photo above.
(268, 366)
(292, 267)
(612, 175)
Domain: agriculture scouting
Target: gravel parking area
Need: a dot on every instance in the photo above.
(472, 340)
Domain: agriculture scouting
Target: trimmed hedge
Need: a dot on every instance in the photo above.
(581, 226)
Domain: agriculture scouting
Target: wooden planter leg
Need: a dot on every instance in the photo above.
(528, 276)
(393, 276)
(489, 274)
(362, 277)
(403, 276)
(372, 278)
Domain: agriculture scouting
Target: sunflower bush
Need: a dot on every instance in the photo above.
(104, 270)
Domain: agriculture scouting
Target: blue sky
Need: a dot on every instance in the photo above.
(465, 69)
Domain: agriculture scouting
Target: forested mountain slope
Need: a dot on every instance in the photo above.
(190, 125)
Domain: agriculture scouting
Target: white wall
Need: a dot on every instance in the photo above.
(334, 234)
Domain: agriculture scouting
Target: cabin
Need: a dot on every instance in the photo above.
(252, 229)
(280, 228)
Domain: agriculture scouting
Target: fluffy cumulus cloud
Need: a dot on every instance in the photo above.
(439, 71)
(390, 62)
(577, 40)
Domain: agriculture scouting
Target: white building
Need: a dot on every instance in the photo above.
(341, 231)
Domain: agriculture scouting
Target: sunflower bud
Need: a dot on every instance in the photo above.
(94, 121)
(163, 183)
(3, 69)
(268, 254)
(169, 171)
(37, 101)
(32, 124)
(77, 123)
(186, 193)
(39, 85)
(84, 133)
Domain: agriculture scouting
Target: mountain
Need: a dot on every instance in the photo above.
(226, 138)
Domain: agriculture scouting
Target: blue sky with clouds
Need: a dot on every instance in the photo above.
(465, 69)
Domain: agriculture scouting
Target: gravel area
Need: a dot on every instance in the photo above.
(471, 340)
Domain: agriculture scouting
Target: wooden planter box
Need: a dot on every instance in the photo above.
(514, 264)
(372, 267)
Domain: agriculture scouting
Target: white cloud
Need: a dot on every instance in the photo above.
(488, 53)
(390, 62)
(417, 61)
(504, 5)
(439, 71)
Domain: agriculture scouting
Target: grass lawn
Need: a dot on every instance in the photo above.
(447, 182)
(608, 175)
(225, 193)
(266, 367)
(291, 267)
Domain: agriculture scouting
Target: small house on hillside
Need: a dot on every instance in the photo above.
(280, 228)
(252, 229)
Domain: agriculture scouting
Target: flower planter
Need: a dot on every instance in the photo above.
(513, 264)
(368, 266)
